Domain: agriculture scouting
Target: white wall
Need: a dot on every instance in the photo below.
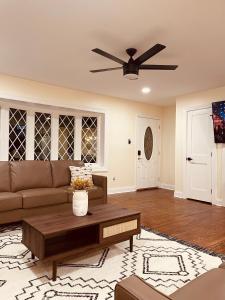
(204, 98)
(121, 116)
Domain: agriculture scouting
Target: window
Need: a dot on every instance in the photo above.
(17, 134)
(42, 136)
(89, 140)
(148, 143)
(43, 133)
(66, 137)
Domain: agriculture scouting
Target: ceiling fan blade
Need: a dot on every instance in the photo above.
(107, 55)
(103, 70)
(149, 53)
(158, 67)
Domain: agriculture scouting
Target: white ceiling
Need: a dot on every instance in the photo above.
(51, 41)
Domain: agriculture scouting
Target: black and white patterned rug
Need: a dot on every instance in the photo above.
(160, 260)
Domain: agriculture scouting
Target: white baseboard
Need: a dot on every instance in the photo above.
(127, 189)
(178, 194)
(123, 189)
(166, 186)
(218, 202)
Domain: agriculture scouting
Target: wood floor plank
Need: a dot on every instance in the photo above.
(193, 221)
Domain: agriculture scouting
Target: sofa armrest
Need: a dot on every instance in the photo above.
(101, 181)
(134, 288)
(222, 265)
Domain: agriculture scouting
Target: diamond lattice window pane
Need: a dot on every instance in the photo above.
(66, 137)
(17, 134)
(89, 140)
(42, 136)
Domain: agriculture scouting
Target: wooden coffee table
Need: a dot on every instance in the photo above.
(56, 237)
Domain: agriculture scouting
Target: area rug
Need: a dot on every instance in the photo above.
(160, 260)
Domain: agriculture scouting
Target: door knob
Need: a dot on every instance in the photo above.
(189, 158)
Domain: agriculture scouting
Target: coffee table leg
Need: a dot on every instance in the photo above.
(54, 270)
(131, 244)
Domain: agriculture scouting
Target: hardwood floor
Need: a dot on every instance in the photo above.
(192, 221)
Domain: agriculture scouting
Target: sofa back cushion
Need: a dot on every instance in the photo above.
(29, 174)
(61, 172)
(4, 176)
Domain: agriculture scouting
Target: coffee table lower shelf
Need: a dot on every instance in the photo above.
(57, 259)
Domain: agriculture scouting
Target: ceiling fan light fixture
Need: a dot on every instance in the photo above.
(131, 76)
(130, 72)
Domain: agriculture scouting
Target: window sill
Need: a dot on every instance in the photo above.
(99, 170)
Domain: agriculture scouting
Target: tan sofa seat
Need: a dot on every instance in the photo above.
(10, 201)
(135, 288)
(209, 286)
(93, 193)
(43, 197)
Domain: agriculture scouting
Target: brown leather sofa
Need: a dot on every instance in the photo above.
(36, 187)
(209, 286)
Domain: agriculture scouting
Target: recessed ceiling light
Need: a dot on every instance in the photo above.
(146, 90)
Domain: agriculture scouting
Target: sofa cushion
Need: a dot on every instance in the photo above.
(43, 197)
(84, 173)
(29, 174)
(199, 288)
(61, 173)
(10, 201)
(135, 288)
(93, 193)
(4, 176)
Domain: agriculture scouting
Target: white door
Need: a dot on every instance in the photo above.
(199, 155)
(147, 154)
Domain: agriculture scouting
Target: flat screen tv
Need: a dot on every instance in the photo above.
(218, 110)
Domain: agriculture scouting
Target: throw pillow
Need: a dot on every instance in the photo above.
(82, 172)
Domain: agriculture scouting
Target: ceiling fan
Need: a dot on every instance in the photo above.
(132, 67)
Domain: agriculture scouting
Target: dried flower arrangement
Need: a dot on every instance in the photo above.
(80, 184)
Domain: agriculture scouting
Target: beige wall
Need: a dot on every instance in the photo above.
(121, 126)
(204, 98)
(168, 147)
(121, 120)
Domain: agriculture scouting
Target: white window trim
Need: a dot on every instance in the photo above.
(55, 111)
(4, 134)
(30, 136)
(54, 136)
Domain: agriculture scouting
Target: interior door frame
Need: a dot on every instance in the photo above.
(136, 146)
(213, 162)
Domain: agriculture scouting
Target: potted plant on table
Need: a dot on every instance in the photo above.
(80, 188)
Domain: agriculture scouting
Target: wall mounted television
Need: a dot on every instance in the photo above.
(218, 110)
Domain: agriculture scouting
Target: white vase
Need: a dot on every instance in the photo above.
(80, 203)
